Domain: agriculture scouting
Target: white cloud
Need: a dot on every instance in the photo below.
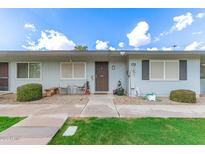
(197, 33)
(136, 49)
(112, 48)
(182, 21)
(30, 26)
(50, 40)
(167, 48)
(156, 39)
(200, 15)
(157, 49)
(121, 44)
(192, 46)
(152, 49)
(203, 47)
(139, 35)
(165, 33)
(101, 45)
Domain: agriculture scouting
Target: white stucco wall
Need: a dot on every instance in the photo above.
(163, 88)
(51, 74)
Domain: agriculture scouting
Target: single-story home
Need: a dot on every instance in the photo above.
(140, 72)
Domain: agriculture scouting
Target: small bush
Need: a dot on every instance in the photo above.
(181, 95)
(29, 92)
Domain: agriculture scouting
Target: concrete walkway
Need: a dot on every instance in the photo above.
(179, 111)
(41, 124)
(100, 106)
(44, 120)
(103, 106)
(32, 130)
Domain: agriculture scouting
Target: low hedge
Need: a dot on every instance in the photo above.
(29, 92)
(181, 95)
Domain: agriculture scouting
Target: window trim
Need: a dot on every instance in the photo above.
(164, 70)
(72, 78)
(202, 65)
(28, 62)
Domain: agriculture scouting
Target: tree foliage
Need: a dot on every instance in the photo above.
(81, 48)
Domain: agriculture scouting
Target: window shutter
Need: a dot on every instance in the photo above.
(183, 70)
(145, 69)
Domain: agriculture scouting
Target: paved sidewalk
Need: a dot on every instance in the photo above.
(41, 124)
(44, 120)
(100, 106)
(32, 130)
(179, 111)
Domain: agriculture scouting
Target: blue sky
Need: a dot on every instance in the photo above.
(103, 29)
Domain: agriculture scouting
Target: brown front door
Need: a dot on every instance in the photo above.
(101, 76)
(4, 76)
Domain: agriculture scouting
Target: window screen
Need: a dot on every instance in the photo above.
(79, 70)
(66, 70)
(171, 70)
(22, 70)
(157, 70)
(34, 70)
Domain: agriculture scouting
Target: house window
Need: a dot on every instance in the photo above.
(28, 70)
(73, 70)
(79, 70)
(22, 70)
(157, 70)
(164, 70)
(171, 70)
(66, 70)
(202, 71)
(34, 70)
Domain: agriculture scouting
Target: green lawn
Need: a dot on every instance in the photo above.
(6, 122)
(133, 131)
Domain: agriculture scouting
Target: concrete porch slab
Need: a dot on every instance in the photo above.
(99, 111)
(100, 106)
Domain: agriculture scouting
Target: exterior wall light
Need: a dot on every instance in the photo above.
(113, 67)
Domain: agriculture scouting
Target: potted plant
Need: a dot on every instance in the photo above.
(120, 90)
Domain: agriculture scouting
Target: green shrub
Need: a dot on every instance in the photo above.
(29, 92)
(120, 92)
(181, 95)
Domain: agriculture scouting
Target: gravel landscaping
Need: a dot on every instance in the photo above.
(123, 100)
(58, 99)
